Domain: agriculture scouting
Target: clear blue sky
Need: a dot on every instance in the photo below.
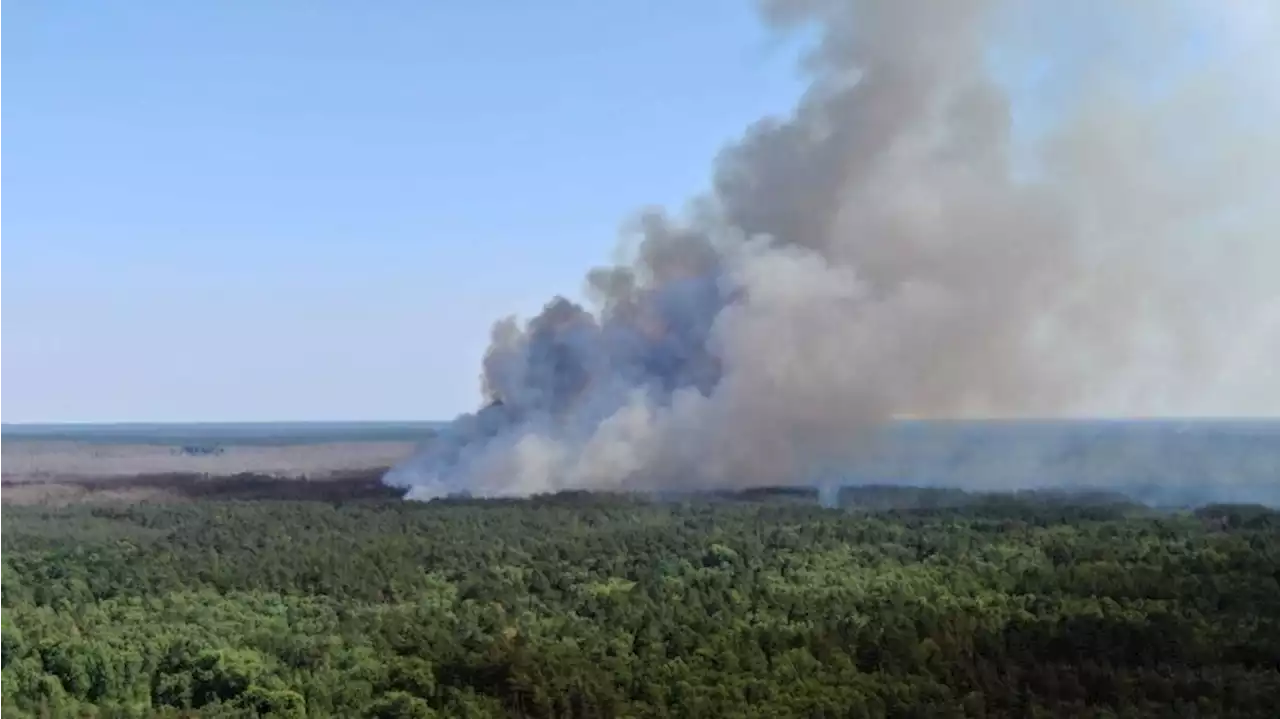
(315, 210)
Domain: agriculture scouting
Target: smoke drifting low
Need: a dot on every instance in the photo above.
(895, 247)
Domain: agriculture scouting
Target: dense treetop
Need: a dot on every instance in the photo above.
(910, 603)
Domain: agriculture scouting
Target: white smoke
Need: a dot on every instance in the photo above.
(892, 248)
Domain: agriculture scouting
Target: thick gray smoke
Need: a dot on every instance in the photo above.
(893, 248)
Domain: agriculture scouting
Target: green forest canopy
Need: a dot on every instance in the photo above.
(905, 603)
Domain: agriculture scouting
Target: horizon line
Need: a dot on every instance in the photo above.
(893, 420)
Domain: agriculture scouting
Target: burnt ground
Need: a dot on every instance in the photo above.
(343, 486)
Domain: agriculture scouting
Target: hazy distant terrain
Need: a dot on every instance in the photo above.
(35, 460)
(1160, 462)
(135, 462)
(1183, 463)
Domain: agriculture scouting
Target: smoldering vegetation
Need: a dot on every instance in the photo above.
(904, 242)
(1079, 499)
(1156, 464)
(1171, 463)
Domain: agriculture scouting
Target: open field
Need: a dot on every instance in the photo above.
(58, 472)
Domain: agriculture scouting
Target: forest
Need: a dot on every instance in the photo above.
(895, 603)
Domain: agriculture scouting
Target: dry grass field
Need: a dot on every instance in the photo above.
(60, 472)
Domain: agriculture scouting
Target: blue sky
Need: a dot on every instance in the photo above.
(315, 210)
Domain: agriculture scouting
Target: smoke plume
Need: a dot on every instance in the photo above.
(895, 247)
